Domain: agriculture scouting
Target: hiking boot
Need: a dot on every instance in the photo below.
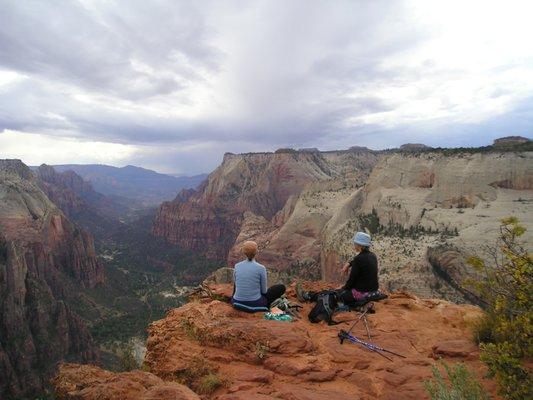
(302, 295)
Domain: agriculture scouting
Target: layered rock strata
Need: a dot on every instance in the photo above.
(43, 256)
(410, 201)
(209, 219)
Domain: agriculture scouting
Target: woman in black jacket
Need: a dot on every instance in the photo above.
(363, 273)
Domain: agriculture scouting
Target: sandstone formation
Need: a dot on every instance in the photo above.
(510, 141)
(303, 208)
(414, 146)
(72, 194)
(225, 354)
(43, 257)
(87, 382)
(79, 201)
(210, 219)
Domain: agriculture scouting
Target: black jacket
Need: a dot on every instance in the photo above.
(363, 273)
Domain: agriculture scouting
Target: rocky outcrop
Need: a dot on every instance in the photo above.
(87, 382)
(210, 220)
(43, 257)
(510, 141)
(244, 356)
(71, 193)
(414, 147)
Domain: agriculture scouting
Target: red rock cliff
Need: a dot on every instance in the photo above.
(210, 219)
(42, 256)
(225, 354)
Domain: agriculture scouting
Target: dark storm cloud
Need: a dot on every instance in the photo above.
(183, 81)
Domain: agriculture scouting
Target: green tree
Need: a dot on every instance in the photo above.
(506, 332)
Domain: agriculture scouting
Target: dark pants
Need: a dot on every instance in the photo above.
(345, 296)
(274, 292)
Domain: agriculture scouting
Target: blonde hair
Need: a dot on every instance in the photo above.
(249, 248)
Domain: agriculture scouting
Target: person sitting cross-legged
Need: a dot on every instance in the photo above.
(363, 274)
(250, 291)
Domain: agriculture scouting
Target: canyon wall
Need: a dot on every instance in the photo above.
(424, 207)
(303, 208)
(43, 257)
(209, 220)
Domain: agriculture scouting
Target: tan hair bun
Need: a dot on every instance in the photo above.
(249, 248)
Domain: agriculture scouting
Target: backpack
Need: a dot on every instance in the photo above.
(285, 305)
(326, 305)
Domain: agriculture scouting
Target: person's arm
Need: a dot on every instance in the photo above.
(264, 285)
(345, 268)
(354, 272)
(234, 288)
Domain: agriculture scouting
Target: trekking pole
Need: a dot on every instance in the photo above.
(357, 320)
(344, 335)
(353, 339)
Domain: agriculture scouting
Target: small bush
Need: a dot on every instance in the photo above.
(201, 376)
(209, 383)
(514, 378)
(506, 332)
(459, 384)
(145, 367)
(125, 354)
(483, 329)
(261, 350)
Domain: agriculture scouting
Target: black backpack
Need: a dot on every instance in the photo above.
(325, 307)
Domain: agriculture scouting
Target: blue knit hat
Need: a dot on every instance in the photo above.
(362, 239)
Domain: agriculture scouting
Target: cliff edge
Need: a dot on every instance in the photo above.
(224, 354)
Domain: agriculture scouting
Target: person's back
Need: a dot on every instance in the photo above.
(363, 272)
(250, 280)
(250, 292)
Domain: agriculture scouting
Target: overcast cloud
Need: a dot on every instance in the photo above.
(172, 85)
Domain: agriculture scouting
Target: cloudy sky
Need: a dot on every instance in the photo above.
(172, 85)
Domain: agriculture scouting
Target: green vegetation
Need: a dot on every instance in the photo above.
(372, 223)
(209, 383)
(261, 350)
(142, 272)
(459, 384)
(506, 331)
(308, 269)
(454, 151)
(200, 375)
(127, 358)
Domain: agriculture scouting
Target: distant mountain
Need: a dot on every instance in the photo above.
(97, 213)
(143, 185)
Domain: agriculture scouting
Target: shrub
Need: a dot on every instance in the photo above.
(506, 332)
(461, 385)
(200, 375)
(127, 358)
(209, 383)
(261, 350)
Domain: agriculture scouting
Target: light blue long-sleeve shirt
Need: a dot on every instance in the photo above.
(250, 279)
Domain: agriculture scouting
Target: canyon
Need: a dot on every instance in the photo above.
(427, 209)
(82, 274)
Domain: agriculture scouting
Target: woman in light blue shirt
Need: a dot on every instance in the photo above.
(250, 291)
